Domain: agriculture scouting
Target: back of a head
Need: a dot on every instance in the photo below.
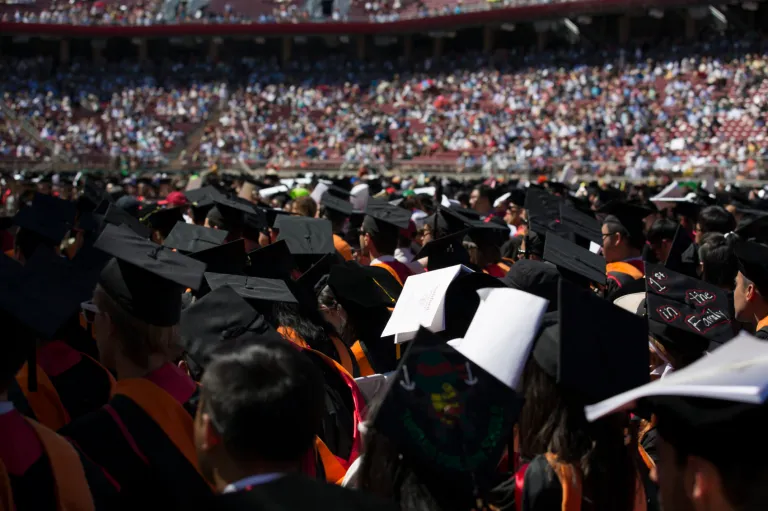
(305, 206)
(718, 259)
(716, 219)
(662, 229)
(634, 235)
(266, 402)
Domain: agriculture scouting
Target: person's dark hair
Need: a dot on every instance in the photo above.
(385, 240)
(337, 219)
(27, 242)
(484, 191)
(614, 225)
(716, 219)
(306, 206)
(309, 324)
(552, 420)
(662, 229)
(718, 258)
(265, 400)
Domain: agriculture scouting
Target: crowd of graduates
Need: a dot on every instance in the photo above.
(226, 341)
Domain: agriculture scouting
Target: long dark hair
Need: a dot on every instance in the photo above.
(552, 420)
(308, 324)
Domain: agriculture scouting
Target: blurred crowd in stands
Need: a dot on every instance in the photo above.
(672, 108)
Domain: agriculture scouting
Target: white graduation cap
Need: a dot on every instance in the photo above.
(266, 193)
(318, 192)
(737, 371)
(500, 200)
(422, 303)
(669, 195)
(373, 385)
(359, 196)
(630, 302)
(501, 334)
(419, 217)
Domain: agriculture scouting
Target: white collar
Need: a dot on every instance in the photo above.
(383, 259)
(254, 480)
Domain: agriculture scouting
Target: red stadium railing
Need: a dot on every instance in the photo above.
(490, 12)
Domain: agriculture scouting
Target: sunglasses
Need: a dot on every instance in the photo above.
(89, 311)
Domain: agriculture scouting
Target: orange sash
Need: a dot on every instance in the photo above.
(362, 360)
(289, 334)
(762, 324)
(45, 402)
(342, 247)
(570, 480)
(390, 270)
(167, 413)
(72, 490)
(625, 268)
(334, 470)
(344, 358)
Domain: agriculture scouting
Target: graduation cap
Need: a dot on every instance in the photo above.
(165, 219)
(356, 286)
(578, 345)
(462, 301)
(117, 216)
(253, 288)
(679, 257)
(754, 226)
(341, 206)
(233, 211)
(629, 215)
(488, 233)
(687, 304)
(187, 238)
(227, 258)
(542, 209)
(580, 224)
(449, 420)
(43, 222)
(753, 264)
(310, 278)
(535, 277)
(63, 210)
(214, 322)
(306, 236)
(203, 197)
(92, 196)
(446, 221)
(272, 215)
(145, 278)
(444, 252)
(273, 261)
(382, 216)
(574, 262)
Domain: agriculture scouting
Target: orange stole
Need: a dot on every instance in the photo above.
(625, 268)
(334, 469)
(342, 247)
(45, 401)
(289, 334)
(362, 360)
(390, 270)
(344, 358)
(167, 413)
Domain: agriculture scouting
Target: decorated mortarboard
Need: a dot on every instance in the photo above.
(580, 224)
(356, 286)
(253, 288)
(188, 238)
(444, 252)
(687, 304)
(217, 320)
(339, 205)
(578, 345)
(306, 236)
(144, 278)
(753, 264)
(274, 261)
(542, 209)
(381, 212)
(227, 258)
(117, 216)
(449, 420)
(574, 262)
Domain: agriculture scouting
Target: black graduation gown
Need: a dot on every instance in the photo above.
(151, 471)
(762, 333)
(296, 493)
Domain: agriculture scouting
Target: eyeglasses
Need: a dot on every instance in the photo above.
(89, 311)
(605, 235)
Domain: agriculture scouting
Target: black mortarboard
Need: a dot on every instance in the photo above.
(580, 224)
(580, 345)
(309, 279)
(164, 219)
(542, 209)
(535, 277)
(461, 301)
(448, 419)
(227, 258)
(233, 211)
(677, 258)
(380, 212)
(273, 214)
(43, 222)
(754, 226)
(488, 233)
(687, 304)
(202, 197)
(574, 262)
(689, 207)
(306, 236)
(444, 252)
(144, 278)
(253, 288)
(629, 215)
(188, 238)
(356, 286)
(118, 216)
(274, 261)
(341, 206)
(217, 320)
(753, 264)
(92, 196)
(339, 192)
(63, 210)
